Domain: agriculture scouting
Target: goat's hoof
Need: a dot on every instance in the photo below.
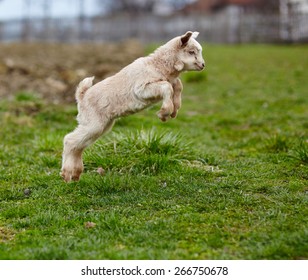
(163, 115)
(174, 114)
(70, 175)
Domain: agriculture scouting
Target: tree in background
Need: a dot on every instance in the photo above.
(46, 18)
(81, 20)
(26, 27)
(129, 6)
(1, 31)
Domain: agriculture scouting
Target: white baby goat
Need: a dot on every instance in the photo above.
(142, 83)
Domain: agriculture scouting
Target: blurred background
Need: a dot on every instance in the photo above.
(219, 21)
(48, 46)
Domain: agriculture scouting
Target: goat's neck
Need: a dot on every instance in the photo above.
(164, 63)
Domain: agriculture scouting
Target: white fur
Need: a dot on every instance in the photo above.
(142, 83)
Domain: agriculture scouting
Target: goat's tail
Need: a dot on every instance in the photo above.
(83, 86)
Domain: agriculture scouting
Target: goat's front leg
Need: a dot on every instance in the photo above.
(167, 106)
(177, 98)
(161, 91)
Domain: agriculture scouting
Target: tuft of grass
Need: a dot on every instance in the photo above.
(151, 141)
(277, 143)
(300, 151)
(141, 151)
(26, 96)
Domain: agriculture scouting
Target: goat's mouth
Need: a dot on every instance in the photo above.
(200, 67)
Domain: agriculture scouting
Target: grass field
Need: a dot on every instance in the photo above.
(226, 179)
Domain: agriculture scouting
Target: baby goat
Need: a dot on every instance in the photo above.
(142, 83)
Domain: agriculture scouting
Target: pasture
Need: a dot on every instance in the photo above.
(226, 179)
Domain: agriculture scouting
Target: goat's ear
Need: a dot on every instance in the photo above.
(195, 34)
(185, 38)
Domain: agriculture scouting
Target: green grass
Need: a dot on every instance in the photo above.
(227, 179)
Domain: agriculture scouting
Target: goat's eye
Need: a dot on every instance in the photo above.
(191, 52)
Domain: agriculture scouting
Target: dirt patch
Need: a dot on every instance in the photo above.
(54, 70)
(6, 234)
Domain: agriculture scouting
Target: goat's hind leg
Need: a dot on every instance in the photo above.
(74, 145)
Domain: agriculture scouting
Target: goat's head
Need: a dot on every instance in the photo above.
(189, 56)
